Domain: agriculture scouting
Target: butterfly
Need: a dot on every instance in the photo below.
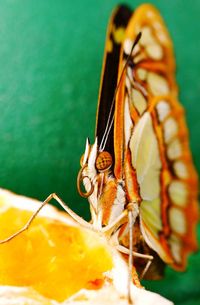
(139, 177)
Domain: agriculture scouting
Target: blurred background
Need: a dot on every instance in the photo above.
(50, 63)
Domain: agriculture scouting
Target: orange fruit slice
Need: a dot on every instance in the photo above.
(57, 260)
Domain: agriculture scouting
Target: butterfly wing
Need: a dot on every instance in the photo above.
(114, 39)
(151, 141)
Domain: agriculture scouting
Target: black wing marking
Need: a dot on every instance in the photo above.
(109, 76)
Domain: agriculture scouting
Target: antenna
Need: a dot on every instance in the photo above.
(110, 121)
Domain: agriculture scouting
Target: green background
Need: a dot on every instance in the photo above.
(50, 64)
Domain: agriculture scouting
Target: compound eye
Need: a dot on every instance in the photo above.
(103, 161)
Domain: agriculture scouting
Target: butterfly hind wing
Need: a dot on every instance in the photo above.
(151, 141)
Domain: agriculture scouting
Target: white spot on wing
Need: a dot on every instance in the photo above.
(180, 169)
(174, 149)
(155, 51)
(177, 220)
(128, 84)
(157, 84)
(130, 73)
(170, 129)
(127, 46)
(175, 245)
(163, 109)
(147, 37)
(142, 73)
(178, 193)
(139, 101)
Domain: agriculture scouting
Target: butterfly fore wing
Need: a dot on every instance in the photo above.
(114, 38)
(151, 132)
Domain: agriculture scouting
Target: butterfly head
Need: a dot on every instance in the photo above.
(94, 164)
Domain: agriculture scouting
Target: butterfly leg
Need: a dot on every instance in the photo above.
(124, 250)
(146, 268)
(110, 228)
(130, 258)
(77, 218)
(133, 212)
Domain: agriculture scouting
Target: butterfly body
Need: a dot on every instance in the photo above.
(141, 158)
